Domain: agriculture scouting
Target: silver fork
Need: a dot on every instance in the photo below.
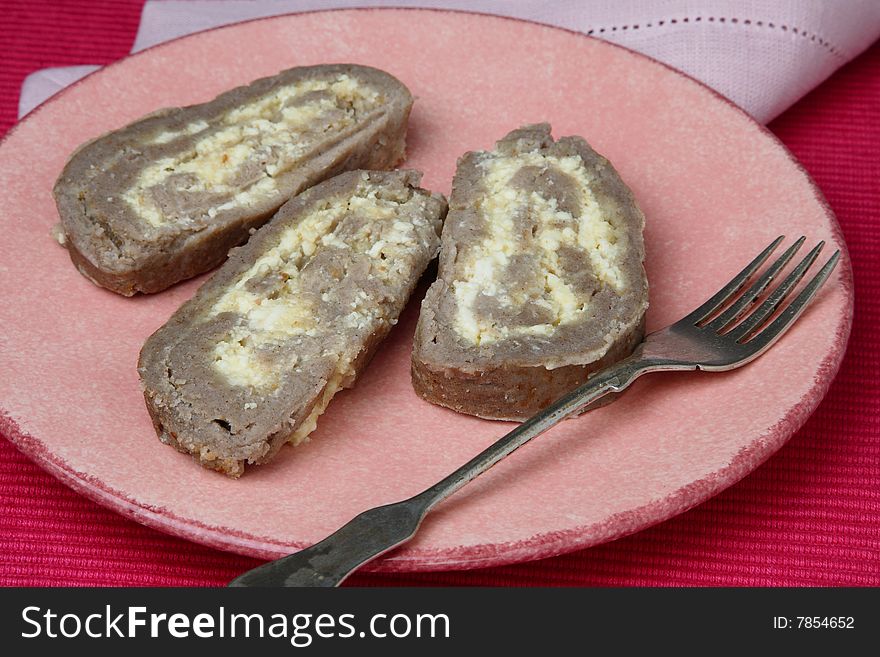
(710, 338)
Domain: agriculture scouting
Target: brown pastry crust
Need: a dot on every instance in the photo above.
(115, 248)
(225, 424)
(513, 378)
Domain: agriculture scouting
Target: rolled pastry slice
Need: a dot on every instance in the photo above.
(252, 360)
(165, 198)
(540, 278)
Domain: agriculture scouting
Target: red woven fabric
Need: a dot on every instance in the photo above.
(810, 516)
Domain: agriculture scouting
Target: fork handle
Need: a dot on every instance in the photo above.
(614, 378)
(380, 529)
(327, 563)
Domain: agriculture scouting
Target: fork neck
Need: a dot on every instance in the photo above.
(670, 348)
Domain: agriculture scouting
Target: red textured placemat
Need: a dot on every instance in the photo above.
(810, 516)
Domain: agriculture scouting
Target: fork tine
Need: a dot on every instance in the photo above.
(742, 304)
(734, 286)
(757, 318)
(787, 317)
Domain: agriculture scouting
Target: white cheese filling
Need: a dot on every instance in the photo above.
(484, 265)
(390, 243)
(269, 128)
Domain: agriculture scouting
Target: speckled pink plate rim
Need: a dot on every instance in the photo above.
(475, 556)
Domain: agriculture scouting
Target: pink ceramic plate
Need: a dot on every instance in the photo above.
(715, 186)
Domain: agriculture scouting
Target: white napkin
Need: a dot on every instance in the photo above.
(762, 54)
